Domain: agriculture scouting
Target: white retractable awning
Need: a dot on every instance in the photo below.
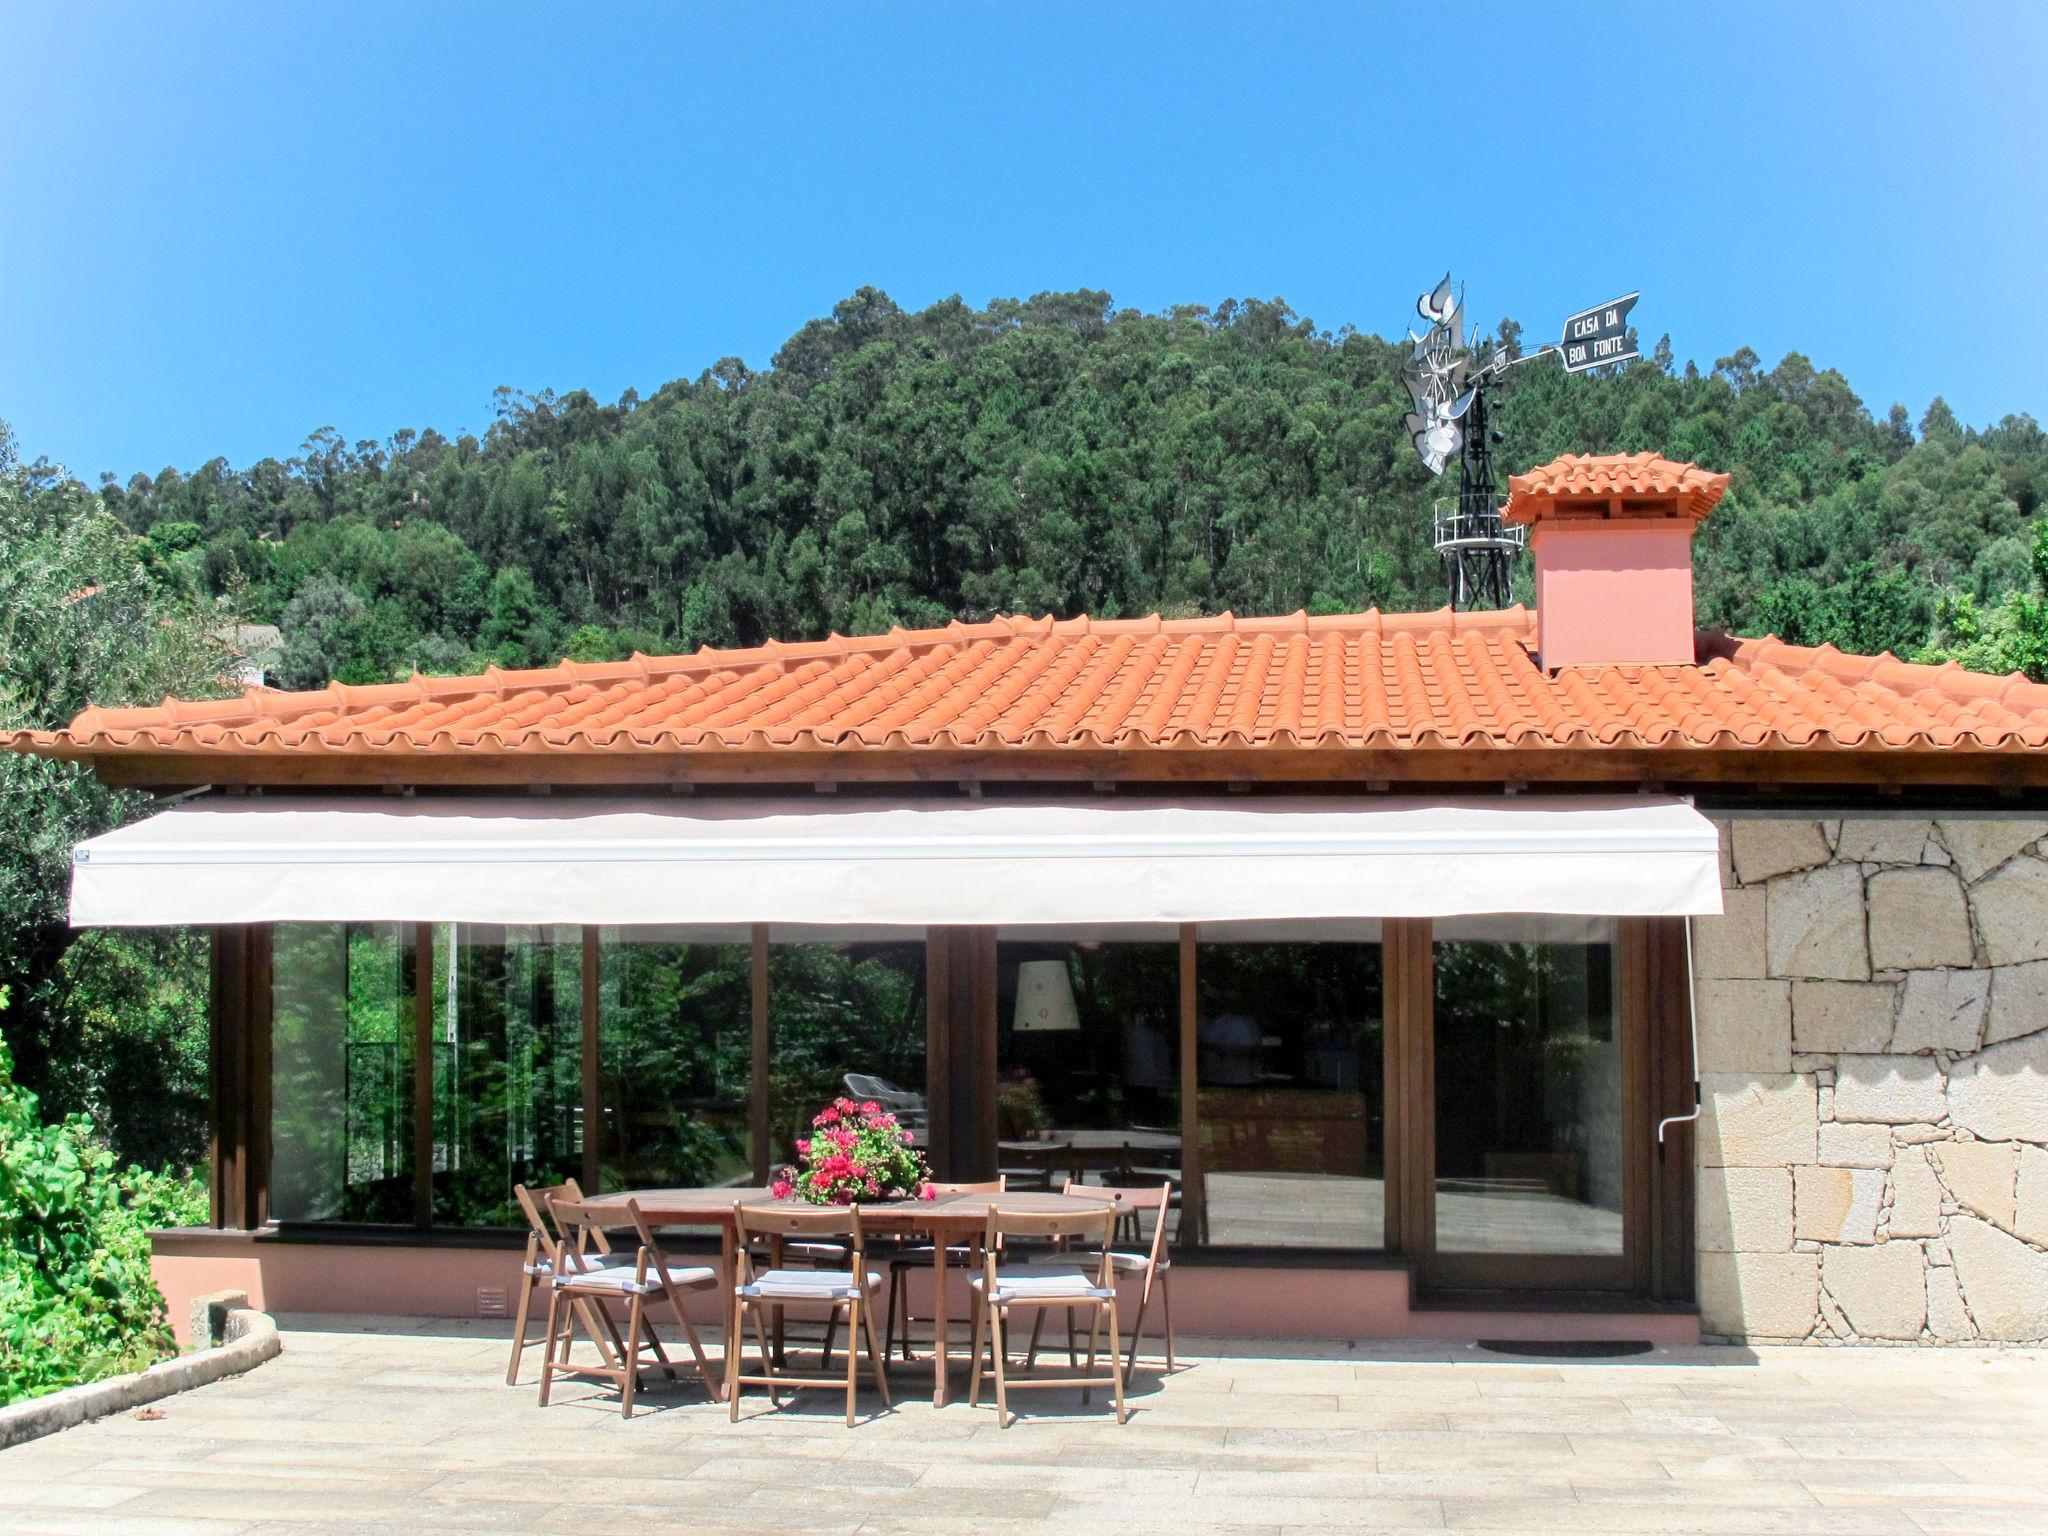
(911, 863)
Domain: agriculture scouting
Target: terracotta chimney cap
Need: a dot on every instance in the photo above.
(1615, 478)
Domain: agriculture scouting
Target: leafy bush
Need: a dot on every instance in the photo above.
(76, 1298)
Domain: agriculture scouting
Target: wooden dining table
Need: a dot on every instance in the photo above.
(947, 1219)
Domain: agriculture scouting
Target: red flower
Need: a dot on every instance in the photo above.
(826, 1116)
(927, 1192)
(781, 1189)
(871, 1108)
(803, 1147)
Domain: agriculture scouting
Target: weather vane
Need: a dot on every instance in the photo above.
(1453, 399)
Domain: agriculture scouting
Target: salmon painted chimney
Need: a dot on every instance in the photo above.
(1611, 535)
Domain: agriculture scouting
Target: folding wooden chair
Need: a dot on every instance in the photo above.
(650, 1274)
(905, 1260)
(543, 1259)
(1146, 1259)
(1054, 1283)
(850, 1292)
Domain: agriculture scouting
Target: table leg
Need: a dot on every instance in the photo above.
(940, 1328)
(729, 1276)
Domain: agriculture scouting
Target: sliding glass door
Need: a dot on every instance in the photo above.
(1528, 1091)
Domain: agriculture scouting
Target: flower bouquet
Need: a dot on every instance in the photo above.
(856, 1151)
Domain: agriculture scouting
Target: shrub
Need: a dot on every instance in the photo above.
(76, 1298)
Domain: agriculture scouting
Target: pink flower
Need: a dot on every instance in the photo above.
(908, 1139)
(803, 1147)
(871, 1108)
(827, 1116)
(781, 1189)
(927, 1192)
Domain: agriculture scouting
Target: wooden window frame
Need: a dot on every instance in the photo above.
(1656, 1261)
(1658, 1071)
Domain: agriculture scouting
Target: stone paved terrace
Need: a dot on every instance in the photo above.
(383, 1425)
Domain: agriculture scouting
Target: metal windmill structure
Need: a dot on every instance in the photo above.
(1453, 400)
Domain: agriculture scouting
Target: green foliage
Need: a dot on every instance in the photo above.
(92, 614)
(2013, 637)
(76, 1298)
(1052, 455)
(1868, 612)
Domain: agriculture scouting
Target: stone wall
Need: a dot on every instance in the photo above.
(1873, 1037)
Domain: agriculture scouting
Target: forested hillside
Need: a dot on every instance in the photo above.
(1057, 455)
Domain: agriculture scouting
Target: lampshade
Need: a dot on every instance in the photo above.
(1045, 997)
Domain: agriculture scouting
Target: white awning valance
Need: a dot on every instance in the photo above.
(908, 863)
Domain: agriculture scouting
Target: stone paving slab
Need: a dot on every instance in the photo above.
(385, 1425)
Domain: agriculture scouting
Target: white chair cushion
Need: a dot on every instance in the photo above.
(805, 1285)
(1048, 1282)
(1122, 1263)
(619, 1280)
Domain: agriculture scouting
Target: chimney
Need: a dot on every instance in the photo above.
(1611, 535)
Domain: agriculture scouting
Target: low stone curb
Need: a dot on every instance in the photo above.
(248, 1339)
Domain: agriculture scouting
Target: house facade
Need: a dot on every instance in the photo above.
(1568, 974)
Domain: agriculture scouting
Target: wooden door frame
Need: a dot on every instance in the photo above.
(238, 1073)
(1641, 1027)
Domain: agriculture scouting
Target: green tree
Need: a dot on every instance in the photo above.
(323, 631)
(2012, 637)
(88, 615)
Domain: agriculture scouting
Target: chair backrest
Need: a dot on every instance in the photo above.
(544, 1233)
(581, 1223)
(792, 1220)
(995, 1186)
(1096, 1228)
(1131, 1201)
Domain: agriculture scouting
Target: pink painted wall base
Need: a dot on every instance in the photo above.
(1218, 1301)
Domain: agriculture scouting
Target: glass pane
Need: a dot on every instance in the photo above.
(675, 1050)
(1528, 1088)
(341, 1073)
(1087, 1062)
(508, 1067)
(1293, 1108)
(844, 1018)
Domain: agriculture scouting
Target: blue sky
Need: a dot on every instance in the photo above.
(224, 226)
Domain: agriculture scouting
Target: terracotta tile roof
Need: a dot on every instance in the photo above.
(1378, 681)
(1636, 476)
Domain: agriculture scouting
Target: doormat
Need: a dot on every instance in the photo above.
(1569, 1349)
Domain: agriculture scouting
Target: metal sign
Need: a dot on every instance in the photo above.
(1598, 336)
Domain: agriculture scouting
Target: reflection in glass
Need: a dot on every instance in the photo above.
(675, 1051)
(341, 1073)
(1528, 1088)
(1087, 1061)
(1290, 1040)
(841, 1011)
(508, 1067)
